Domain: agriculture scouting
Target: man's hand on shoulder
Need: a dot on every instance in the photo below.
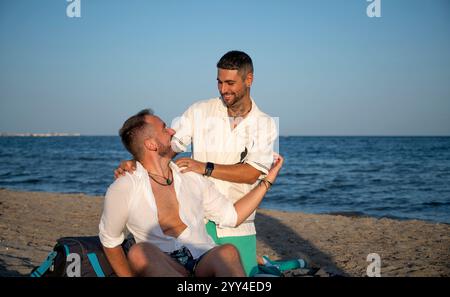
(189, 165)
(125, 166)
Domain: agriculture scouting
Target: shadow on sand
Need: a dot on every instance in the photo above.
(7, 270)
(294, 246)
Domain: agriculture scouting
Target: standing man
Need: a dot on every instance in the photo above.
(232, 141)
(232, 144)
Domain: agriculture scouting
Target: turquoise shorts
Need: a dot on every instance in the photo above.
(246, 246)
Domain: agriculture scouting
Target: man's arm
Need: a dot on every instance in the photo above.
(118, 261)
(236, 173)
(219, 209)
(113, 222)
(248, 204)
(258, 160)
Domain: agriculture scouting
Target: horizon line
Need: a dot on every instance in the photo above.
(3, 134)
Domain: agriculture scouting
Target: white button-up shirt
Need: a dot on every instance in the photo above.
(129, 202)
(206, 125)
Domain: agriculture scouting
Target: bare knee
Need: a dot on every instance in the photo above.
(138, 256)
(229, 252)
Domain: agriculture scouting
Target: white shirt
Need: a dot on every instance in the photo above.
(129, 202)
(206, 126)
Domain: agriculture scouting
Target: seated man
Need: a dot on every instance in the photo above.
(164, 210)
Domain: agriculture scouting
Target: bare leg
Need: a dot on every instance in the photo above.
(148, 260)
(221, 261)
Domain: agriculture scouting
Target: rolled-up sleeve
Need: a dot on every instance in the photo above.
(217, 207)
(260, 155)
(115, 212)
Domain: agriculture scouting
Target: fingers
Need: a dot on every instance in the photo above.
(129, 166)
(183, 162)
(118, 173)
(187, 169)
(180, 161)
(278, 159)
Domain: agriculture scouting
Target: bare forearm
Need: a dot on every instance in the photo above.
(118, 261)
(247, 204)
(238, 173)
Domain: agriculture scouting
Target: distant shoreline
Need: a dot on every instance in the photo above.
(53, 134)
(3, 134)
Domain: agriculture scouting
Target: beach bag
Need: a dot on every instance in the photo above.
(78, 257)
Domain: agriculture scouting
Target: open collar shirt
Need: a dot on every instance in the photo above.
(129, 202)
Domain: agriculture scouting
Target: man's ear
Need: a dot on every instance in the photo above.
(249, 79)
(150, 145)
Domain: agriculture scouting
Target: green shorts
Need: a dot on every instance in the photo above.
(246, 246)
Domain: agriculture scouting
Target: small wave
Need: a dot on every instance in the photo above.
(343, 186)
(25, 181)
(11, 174)
(435, 203)
(6, 174)
(95, 158)
(381, 208)
(299, 174)
(348, 213)
(320, 190)
(297, 198)
(378, 169)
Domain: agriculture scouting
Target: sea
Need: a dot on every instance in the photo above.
(394, 177)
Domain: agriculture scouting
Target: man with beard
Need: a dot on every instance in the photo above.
(232, 144)
(164, 210)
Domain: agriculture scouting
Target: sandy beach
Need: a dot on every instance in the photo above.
(30, 223)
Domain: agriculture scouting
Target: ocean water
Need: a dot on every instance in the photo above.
(398, 177)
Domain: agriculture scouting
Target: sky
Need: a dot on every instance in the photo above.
(322, 67)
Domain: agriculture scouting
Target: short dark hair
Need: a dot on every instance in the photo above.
(132, 127)
(236, 60)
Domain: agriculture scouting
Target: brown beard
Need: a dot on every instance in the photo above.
(165, 151)
(237, 98)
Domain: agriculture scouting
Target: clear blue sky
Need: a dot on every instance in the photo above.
(322, 67)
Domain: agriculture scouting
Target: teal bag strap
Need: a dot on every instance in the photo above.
(44, 266)
(66, 248)
(95, 264)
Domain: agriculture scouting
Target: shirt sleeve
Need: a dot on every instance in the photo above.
(184, 128)
(115, 212)
(260, 154)
(217, 207)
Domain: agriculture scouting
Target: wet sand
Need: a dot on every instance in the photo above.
(30, 223)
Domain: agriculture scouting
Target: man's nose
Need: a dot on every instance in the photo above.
(172, 131)
(223, 88)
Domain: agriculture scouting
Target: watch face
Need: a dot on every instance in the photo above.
(209, 168)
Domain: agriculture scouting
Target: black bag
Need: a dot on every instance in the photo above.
(78, 256)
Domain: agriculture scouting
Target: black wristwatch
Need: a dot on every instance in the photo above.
(209, 169)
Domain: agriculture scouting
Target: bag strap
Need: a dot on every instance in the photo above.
(38, 272)
(95, 264)
(66, 249)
